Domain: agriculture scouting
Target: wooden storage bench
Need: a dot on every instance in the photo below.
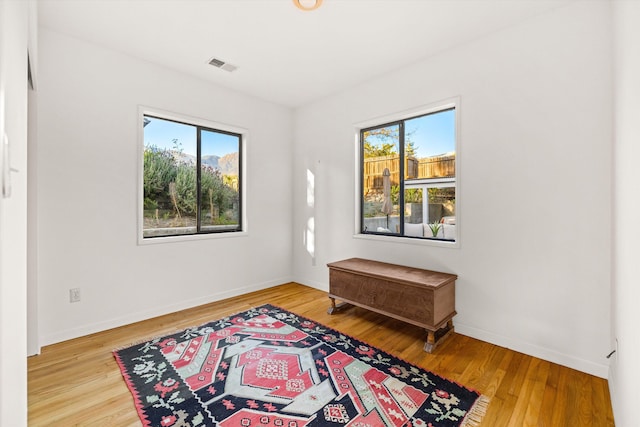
(421, 297)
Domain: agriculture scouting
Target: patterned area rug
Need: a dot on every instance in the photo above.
(267, 367)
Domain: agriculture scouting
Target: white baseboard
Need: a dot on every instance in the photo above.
(92, 328)
(313, 284)
(599, 370)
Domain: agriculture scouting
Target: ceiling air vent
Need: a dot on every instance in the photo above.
(218, 63)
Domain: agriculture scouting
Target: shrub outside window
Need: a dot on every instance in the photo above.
(408, 177)
(191, 179)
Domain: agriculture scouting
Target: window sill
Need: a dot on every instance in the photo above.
(190, 237)
(409, 240)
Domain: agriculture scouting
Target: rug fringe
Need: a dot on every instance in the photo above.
(477, 412)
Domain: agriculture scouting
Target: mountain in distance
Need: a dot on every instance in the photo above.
(227, 164)
(211, 160)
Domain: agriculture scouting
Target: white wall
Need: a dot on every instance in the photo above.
(14, 33)
(87, 193)
(625, 372)
(535, 178)
(535, 182)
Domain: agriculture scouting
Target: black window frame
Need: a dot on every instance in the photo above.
(199, 227)
(400, 122)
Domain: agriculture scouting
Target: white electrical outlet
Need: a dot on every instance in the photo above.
(74, 295)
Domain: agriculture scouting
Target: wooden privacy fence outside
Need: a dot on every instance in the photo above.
(437, 166)
(428, 167)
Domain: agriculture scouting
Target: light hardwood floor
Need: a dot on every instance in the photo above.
(78, 382)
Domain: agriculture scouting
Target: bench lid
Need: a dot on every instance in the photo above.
(393, 272)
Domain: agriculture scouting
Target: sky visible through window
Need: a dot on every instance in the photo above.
(433, 134)
(161, 133)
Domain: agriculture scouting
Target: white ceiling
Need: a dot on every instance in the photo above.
(285, 55)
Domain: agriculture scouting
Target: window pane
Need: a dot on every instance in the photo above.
(381, 179)
(413, 212)
(219, 180)
(441, 213)
(169, 178)
(442, 204)
(431, 146)
(416, 159)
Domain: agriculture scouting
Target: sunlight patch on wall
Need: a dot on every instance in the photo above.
(310, 189)
(309, 237)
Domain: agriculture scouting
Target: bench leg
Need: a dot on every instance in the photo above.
(435, 337)
(431, 341)
(336, 308)
(333, 308)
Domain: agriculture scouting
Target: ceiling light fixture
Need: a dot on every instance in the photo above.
(307, 4)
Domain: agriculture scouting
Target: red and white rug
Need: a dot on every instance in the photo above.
(267, 367)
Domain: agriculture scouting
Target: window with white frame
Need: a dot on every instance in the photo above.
(191, 178)
(408, 177)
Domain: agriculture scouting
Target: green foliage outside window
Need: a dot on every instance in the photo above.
(387, 144)
(170, 185)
